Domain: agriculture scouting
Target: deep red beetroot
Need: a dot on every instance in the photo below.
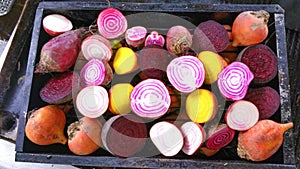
(220, 137)
(210, 35)
(262, 62)
(60, 53)
(59, 89)
(266, 99)
(124, 135)
(153, 61)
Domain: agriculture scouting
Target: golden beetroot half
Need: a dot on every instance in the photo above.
(262, 140)
(84, 136)
(46, 125)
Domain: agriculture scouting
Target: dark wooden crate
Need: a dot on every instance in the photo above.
(83, 14)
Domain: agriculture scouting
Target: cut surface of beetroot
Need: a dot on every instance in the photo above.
(155, 39)
(96, 46)
(111, 23)
(220, 137)
(92, 101)
(186, 73)
(233, 81)
(153, 61)
(167, 138)
(210, 35)
(93, 73)
(261, 60)
(59, 89)
(194, 136)
(55, 24)
(135, 36)
(124, 135)
(266, 99)
(150, 99)
(241, 115)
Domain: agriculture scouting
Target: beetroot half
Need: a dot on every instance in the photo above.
(153, 61)
(210, 35)
(266, 99)
(124, 135)
(59, 89)
(262, 62)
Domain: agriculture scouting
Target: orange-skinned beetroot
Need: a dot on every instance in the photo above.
(250, 27)
(46, 125)
(84, 136)
(262, 140)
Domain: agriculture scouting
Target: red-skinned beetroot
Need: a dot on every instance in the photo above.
(210, 35)
(59, 89)
(262, 62)
(266, 99)
(60, 53)
(178, 40)
(153, 61)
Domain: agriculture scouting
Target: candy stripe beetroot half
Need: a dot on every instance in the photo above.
(233, 81)
(186, 73)
(150, 98)
(111, 23)
(92, 101)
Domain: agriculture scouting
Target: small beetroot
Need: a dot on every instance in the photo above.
(135, 36)
(155, 39)
(210, 35)
(60, 53)
(266, 99)
(178, 40)
(262, 62)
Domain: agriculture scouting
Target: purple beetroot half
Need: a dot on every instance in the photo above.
(210, 35)
(153, 61)
(266, 99)
(262, 62)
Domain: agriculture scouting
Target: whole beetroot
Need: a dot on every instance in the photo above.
(60, 52)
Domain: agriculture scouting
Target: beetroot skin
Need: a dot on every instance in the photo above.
(261, 60)
(210, 35)
(153, 61)
(60, 52)
(266, 99)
